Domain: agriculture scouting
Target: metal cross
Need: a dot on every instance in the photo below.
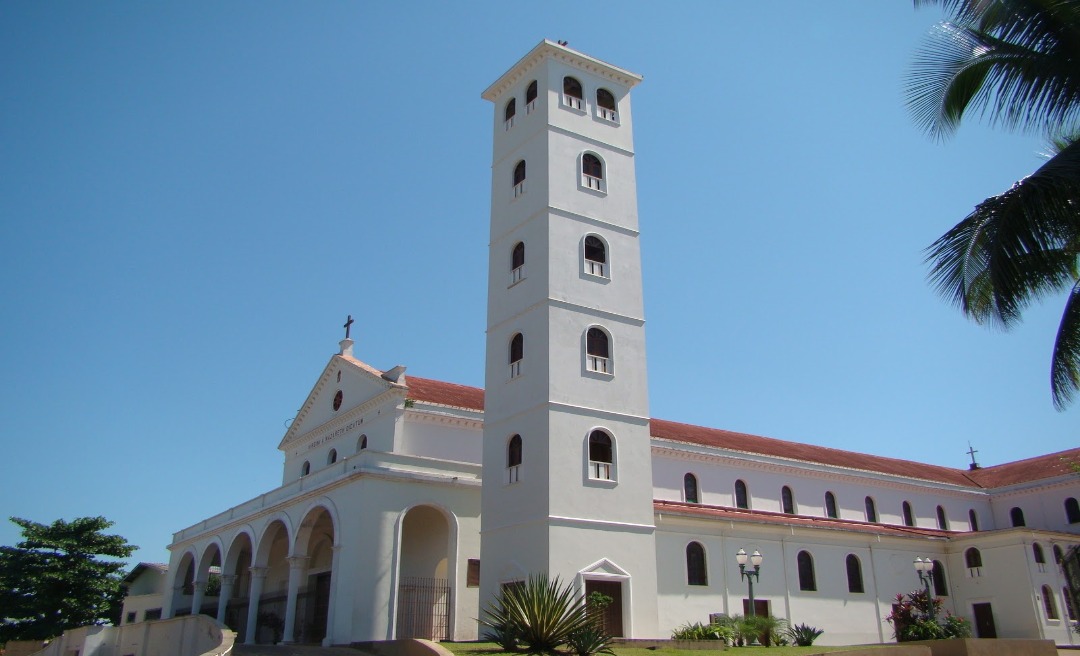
(971, 452)
(348, 326)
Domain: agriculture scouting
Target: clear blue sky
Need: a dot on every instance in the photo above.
(194, 195)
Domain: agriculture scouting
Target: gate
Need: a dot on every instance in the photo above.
(423, 608)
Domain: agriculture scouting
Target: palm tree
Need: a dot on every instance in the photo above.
(1016, 63)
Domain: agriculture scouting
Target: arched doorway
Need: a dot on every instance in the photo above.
(314, 560)
(183, 585)
(236, 585)
(423, 582)
(207, 582)
(269, 590)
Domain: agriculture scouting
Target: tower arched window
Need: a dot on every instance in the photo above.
(690, 488)
(1059, 555)
(605, 106)
(517, 263)
(361, 443)
(742, 499)
(517, 354)
(787, 500)
(830, 506)
(1048, 603)
(854, 574)
(530, 97)
(513, 459)
(1072, 510)
(695, 565)
(909, 517)
(942, 520)
(973, 560)
(592, 172)
(601, 456)
(871, 509)
(305, 468)
(1016, 515)
(519, 178)
(973, 520)
(571, 91)
(597, 351)
(1070, 610)
(807, 580)
(937, 574)
(1039, 555)
(595, 256)
(509, 113)
(331, 457)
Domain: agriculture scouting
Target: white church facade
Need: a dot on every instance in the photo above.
(406, 503)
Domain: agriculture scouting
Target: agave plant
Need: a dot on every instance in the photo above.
(804, 635)
(541, 614)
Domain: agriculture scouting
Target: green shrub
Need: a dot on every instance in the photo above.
(589, 640)
(803, 635)
(540, 614)
(911, 619)
(699, 631)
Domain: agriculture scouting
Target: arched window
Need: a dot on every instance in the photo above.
(605, 105)
(1017, 517)
(695, 565)
(530, 97)
(807, 581)
(938, 575)
(517, 263)
(595, 256)
(509, 112)
(973, 520)
(830, 505)
(361, 443)
(973, 560)
(592, 172)
(305, 469)
(854, 574)
(1040, 557)
(871, 509)
(942, 520)
(742, 499)
(690, 489)
(1072, 510)
(517, 353)
(1048, 603)
(513, 459)
(571, 90)
(1059, 555)
(597, 351)
(331, 457)
(909, 518)
(519, 178)
(601, 456)
(1070, 610)
(787, 500)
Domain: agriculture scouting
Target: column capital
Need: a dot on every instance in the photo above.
(258, 572)
(228, 579)
(296, 562)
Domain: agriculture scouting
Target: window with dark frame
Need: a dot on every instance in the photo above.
(572, 95)
(973, 520)
(854, 574)
(595, 256)
(597, 351)
(830, 506)
(695, 565)
(472, 574)
(600, 455)
(517, 353)
(1048, 603)
(1016, 515)
(941, 589)
(530, 97)
(942, 520)
(509, 113)
(909, 517)
(807, 580)
(742, 499)
(517, 262)
(871, 510)
(1072, 510)
(690, 488)
(787, 500)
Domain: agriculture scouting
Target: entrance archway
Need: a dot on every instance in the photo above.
(236, 585)
(314, 563)
(424, 591)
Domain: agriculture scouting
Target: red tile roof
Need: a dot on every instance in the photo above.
(740, 515)
(1032, 469)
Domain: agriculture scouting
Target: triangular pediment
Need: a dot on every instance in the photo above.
(345, 384)
(606, 567)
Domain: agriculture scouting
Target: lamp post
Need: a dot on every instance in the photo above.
(749, 577)
(925, 569)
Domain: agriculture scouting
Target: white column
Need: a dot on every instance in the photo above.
(297, 567)
(227, 583)
(258, 579)
(170, 611)
(197, 596)
(331, 606)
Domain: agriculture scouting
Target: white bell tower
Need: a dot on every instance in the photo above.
(566, 464)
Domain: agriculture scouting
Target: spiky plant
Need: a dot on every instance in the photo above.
(540, 613)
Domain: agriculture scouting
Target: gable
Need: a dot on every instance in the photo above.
(345, 384)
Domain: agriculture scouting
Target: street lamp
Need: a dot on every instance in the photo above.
(925, 569)
(750, 577)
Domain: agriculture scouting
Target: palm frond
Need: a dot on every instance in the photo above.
(1065, 364)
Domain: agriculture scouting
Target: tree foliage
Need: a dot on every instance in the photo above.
(1017, 64)
(60, 576)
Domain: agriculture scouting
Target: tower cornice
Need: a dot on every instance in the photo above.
(548, 49)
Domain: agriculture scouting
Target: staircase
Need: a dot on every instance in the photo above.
(294, 650)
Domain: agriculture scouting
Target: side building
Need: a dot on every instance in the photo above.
(407, 503)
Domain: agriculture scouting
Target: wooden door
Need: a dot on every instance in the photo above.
(984, 621)
(612, 618)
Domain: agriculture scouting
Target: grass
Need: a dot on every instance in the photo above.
(491, 649)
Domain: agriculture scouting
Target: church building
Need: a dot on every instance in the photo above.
(406, 503)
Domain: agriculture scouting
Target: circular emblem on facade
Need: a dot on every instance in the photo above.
(337, 399)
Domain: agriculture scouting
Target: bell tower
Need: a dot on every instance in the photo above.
(566, 459)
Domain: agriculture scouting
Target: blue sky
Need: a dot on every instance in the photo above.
(194, 195)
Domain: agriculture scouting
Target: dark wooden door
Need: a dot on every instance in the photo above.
(984, 621)
(612, 617)
(321, 611)
(761, 607)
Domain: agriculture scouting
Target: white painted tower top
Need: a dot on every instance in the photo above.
(548, 49)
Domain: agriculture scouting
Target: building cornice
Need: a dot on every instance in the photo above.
(548, 49)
